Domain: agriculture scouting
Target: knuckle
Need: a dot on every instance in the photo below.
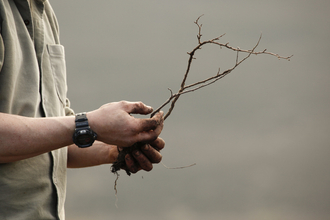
(139, 106)
(159, 159)
(123, 103)
(148, 168)
(153, 136)
(161, 144)
(133, 170)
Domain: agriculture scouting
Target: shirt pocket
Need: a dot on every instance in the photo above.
(58, 66)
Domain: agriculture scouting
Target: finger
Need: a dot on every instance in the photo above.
(142, 160)
(159, 116)
(130, 164)
(137, 108)
(148, 136)
(158, 144)
(152, 154)
(154, 123)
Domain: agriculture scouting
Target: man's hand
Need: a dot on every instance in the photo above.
(143, 160)
(115, 125)
(101, 153)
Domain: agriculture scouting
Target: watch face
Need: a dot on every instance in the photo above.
(84, 138)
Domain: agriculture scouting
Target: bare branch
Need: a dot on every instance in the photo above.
(197, 85)
(208, 81)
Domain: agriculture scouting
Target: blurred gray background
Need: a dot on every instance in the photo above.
(260, 136)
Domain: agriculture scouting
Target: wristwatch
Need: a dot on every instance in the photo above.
(83, 135)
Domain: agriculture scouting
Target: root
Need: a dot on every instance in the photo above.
(115, 188)
(173, 168)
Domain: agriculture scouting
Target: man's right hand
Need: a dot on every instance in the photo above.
(115, 125)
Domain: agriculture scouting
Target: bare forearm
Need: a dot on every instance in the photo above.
(99, 153)
(23, 137)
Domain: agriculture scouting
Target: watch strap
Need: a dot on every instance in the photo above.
(81, 120)
(83, 128)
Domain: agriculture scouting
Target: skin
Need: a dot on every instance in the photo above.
(23, 137)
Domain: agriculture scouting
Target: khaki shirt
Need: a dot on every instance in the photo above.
(32, 84)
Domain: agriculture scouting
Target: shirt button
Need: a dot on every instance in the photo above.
(26, 22)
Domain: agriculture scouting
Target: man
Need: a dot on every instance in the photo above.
(39, 134)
